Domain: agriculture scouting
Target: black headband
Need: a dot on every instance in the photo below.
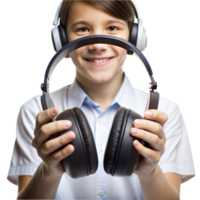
(58, 57)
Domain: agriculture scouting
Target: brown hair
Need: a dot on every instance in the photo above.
(121, 9)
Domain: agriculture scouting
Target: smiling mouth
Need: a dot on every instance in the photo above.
(98, 60)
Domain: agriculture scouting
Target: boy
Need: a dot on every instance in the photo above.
(99, 90)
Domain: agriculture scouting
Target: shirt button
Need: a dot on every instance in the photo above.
(101, 192)
(88, 100)
(101, 149)
(100, 119)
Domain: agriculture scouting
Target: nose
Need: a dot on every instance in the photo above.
(97, 47)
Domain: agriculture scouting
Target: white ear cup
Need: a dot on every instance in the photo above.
(142, 40)
(54, 32)
(142, 36)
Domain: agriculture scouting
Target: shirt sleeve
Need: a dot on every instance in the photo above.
(25, 159)
(177, 157)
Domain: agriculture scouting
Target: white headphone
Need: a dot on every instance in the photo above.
(137, 36)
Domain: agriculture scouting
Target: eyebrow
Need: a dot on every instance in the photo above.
(107, 22)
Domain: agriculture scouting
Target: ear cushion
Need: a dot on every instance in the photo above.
(113, 140)
(119, 147)
(84, 160)
(133, 34)
(63, 35)
(89, 140)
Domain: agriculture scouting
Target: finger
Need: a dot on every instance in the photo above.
(52, 145)
(155, 142)
(151, 155)
(48, 129)
(55, 158)
(156, 115)
(152, 127)
(45, 116)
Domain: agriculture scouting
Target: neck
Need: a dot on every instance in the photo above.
(102, 93)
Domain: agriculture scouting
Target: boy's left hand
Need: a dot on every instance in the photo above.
(151, 132)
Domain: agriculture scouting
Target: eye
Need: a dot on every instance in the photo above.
(87, 28)
(82, 29)
(114, 27)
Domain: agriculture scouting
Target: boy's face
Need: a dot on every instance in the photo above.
(93, 21)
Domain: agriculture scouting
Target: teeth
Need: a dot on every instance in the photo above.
(99, 61)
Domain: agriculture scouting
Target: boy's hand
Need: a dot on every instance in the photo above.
(46, 147)
(151, 132)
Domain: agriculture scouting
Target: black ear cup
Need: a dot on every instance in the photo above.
(84, 160)
(133, 34)
(63, 34)
(113, 141)
(121, 158)
(88, 139)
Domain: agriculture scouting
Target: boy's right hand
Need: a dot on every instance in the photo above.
(46, 146)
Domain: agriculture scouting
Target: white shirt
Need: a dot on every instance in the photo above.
(177, 157)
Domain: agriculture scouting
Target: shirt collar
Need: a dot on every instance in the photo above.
(125, 97)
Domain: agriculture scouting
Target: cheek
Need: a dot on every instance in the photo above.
(75, 56)
(121, 52)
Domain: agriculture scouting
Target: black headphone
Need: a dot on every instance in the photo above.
(121, 158)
